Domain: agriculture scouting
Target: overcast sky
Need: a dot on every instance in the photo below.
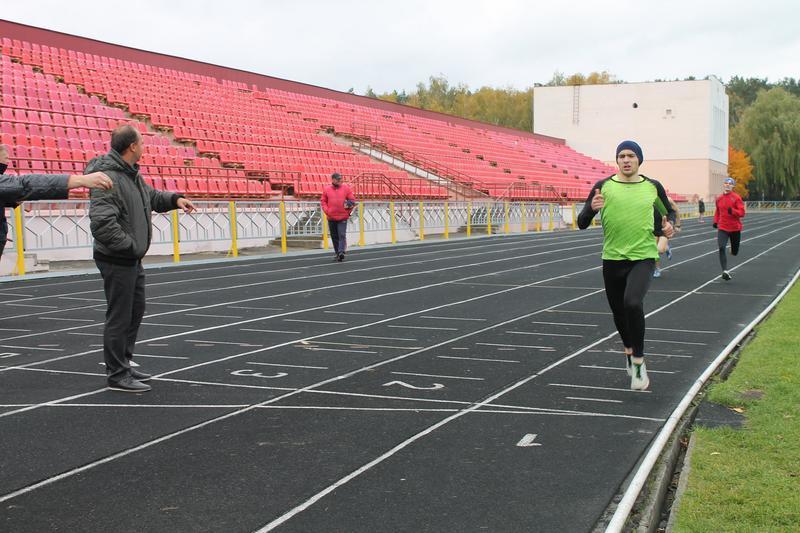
(394, 45)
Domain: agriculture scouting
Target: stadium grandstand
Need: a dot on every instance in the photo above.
(218, 136)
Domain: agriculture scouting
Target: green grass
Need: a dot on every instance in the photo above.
(749, 479)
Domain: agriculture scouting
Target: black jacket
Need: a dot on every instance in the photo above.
(121, 216)
(16, 189)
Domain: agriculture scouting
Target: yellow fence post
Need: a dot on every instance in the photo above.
(574, 217)
(20, 236)
(489, 219)
(176, 246)
(421, 222)
(446, 222)
(392, 222)
(361, 241)
(234, 229)
(523, 223)
(283, 227)
(538, 211)
(469, 219)
(325, 244)
(505, 206)
(551, 213)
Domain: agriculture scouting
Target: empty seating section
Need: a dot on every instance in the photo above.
(223, 138)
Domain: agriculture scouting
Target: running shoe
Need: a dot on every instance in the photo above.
(628, 364)
(669, 253)
(657, 273)
(639, 379)
(726, 275)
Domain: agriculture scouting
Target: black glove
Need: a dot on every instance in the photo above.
(714, 225)
(730, 210)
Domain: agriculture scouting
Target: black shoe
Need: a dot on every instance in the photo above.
(140, 376)
(340, 258)
(128, 384)
(726, 275)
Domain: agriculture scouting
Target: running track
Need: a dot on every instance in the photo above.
(462, 385)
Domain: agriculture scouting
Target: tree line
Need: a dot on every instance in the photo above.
(764, 121)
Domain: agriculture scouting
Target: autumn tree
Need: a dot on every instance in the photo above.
(769, 132)
(740, 169)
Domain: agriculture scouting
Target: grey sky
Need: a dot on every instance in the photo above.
(394, 45)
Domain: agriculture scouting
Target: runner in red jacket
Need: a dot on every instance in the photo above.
(728, 222)
(337, 203)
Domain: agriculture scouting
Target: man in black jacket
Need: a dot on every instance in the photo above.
(16, 189)
(121, 226)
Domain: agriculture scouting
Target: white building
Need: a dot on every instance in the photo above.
(682, 127)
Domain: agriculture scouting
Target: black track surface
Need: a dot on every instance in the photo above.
(390, 392)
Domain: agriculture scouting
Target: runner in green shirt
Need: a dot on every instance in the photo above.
(625, 202)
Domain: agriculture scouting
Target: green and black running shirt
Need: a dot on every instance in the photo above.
(627, 216)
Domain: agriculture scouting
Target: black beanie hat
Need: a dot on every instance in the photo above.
(633, 147)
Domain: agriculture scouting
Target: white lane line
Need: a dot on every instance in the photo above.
(66, 319)
(648, 354)
(227, 385)
(514, 346)
(736, 294)
(488, 284)
(353, 313)
(436, 376)
(32, 305)
(32, 348)
(13, 329)
(16, 295)
(381, 338)
(594, 387)
(458, 348)
(386, 409)
(593, 399)
(103, 300)
(252, 308)
(168, 325)
(84, 334)
(565, 324)
(246, 344)
(72, 372)
(685, 330)
(153, 406)
(580, 312)
(153, 344)
(649, 370)
(319, 349)
(170, 303)
(289, 366)
(159, 356)
(268, 330)
(313, 321)
(214, 316)
(677, 342)
(359, 345)
(477, 359)
(453, 318)
(424, 327)
(543, 334)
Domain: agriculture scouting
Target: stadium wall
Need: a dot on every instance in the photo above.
(32, 34)
(681, 126)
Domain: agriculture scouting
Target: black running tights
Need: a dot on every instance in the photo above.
(722, 243)
(626, 285)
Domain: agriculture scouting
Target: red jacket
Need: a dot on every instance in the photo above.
(333, 202)
(729, 221)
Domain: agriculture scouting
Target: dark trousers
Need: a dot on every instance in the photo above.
(125, 301)
(626, 286)
(722, 243)
(338, 231)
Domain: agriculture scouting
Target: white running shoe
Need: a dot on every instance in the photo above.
(639, 379)
(628, 364)
(726, 275)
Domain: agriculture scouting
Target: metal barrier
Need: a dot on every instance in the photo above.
(59, 230)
